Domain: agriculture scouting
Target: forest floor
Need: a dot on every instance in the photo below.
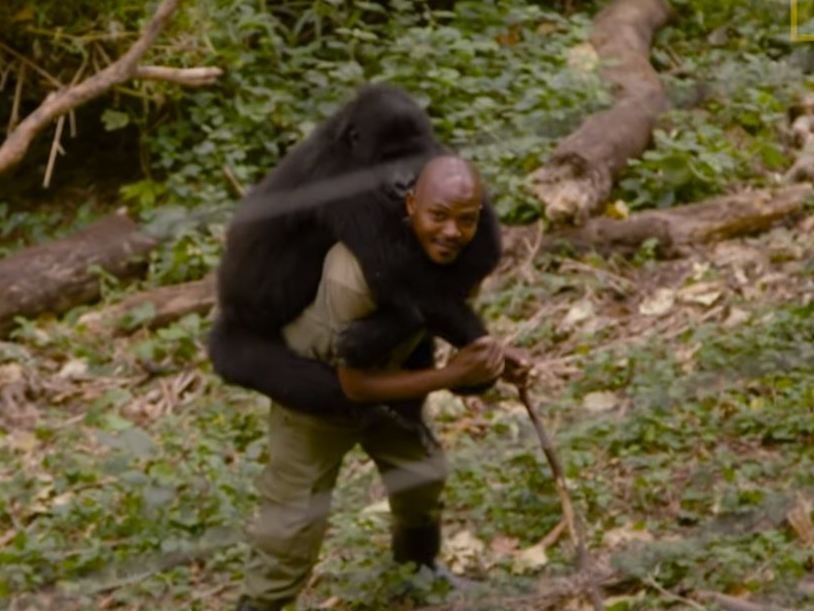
(679, 393)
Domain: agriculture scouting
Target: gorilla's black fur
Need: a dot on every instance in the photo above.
(345, 182)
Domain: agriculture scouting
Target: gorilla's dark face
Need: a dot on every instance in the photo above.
(385, 125)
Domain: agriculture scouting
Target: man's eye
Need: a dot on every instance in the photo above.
(437, 216)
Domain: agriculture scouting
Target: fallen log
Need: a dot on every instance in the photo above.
(166, 304)
(57, 276)
(719, 218)
(579, 175)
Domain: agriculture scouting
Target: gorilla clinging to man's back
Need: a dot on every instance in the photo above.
(345, 182)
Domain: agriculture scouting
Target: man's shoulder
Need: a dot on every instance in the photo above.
(342, 266)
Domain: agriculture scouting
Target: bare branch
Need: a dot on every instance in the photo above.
(55, 148)
(38, 69)
(18, 94)
(238, 188)
(65, 99)
(189, 77)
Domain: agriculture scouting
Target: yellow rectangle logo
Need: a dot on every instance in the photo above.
(802, 20)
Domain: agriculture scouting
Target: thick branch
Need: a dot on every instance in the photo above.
(62, 101)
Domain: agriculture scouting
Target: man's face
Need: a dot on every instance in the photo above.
(444, 217)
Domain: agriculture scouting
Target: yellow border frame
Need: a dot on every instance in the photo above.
(794, 33)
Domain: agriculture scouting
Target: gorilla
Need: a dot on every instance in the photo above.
(345, 182)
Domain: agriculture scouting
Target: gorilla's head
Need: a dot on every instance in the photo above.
(384, 124)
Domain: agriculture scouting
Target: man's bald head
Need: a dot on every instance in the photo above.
(451, 176)
(445, 206)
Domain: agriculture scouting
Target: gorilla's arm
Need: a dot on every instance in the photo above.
(368, 342)
(269, 366)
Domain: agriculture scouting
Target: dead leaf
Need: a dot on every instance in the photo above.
(600, 401)
(699, 270)
(75, 369)
(579, 312)
(702, 293)
(503, 546)
(329, 603)
(24, 14)
(736, 317)
(21, 441)
(11, 373)
(530, 559)
(510, 37)
(382, 506)
(547, 27)
(659, 303)
(463, 551)
(582, 58)
(62, 499)
(625, 534)
(618, 210)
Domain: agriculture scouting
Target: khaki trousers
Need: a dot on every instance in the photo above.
(305, 454)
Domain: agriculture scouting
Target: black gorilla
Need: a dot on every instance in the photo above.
(345, 182)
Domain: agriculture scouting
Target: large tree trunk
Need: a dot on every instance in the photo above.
(579, 176)
(57, 276)
(719, 218)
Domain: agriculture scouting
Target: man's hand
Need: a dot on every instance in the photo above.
(477, 363)
(518, 366)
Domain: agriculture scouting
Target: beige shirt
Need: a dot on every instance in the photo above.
(343, 296)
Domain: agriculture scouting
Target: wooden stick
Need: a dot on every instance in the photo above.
(56, 145)
(55, 148)
(15, 105)
(573, 521)
(189, 77)
(730, 603)
(674, 597)
(238, 188)
(5, 74)
(36, 68)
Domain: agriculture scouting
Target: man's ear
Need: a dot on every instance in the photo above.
(409, 202)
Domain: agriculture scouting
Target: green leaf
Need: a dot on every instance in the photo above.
(136, 442)
(114, 119)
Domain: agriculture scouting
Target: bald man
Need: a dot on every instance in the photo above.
(306, 451)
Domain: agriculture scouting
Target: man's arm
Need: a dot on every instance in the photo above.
(479, 362)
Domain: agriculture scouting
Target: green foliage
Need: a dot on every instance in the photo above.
(744, 82)
(501, 104)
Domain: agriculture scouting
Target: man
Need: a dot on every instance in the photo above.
(306, 451)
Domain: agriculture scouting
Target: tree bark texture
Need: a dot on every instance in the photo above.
(59, 275)
(579, 176)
